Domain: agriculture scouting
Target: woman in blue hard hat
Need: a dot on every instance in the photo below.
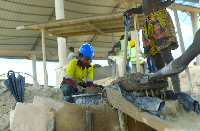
(77, 70)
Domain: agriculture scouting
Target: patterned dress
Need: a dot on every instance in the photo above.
(158, 33)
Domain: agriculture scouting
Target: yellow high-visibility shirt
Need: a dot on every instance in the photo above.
(76, 73)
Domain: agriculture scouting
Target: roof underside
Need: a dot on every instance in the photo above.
(97, 31)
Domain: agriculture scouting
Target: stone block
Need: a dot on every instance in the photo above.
(39, 116)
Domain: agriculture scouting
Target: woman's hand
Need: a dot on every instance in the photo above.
(128, 13)
(80, 88)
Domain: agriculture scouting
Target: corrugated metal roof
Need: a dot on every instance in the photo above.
(14, 13)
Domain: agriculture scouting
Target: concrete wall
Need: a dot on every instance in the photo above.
(102, 72)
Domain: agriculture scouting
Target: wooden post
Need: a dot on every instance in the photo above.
(44, 60)
(122, 116)
(123, 121)
(137, 41)
(125, 52)
(113, 40)
(193, 16)
(34, 59)
(113, 63)
(182, 44)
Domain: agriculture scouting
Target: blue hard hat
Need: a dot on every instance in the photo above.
(87, 50)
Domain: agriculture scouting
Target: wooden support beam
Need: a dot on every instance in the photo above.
(108, 25)
(140, 17)
(95, 28)
(25, 53)
(137, 22)
(185, 8)
(64, 26)
(93, 33)
(74, 30)
(82, 24)
(89, 28)
(123, 0)
(16, 53)
(44, 60)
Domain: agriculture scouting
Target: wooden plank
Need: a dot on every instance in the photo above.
(124, 0)
(77, 30)
(185, 8)
(142, 87)
(96, 28)
(89, 28)
(115, 20)
(112, 30)
(64, 26)
(117, 101)
(81, 24)
(81, 29)
(86, 28)
(27, 53)
(109, 21)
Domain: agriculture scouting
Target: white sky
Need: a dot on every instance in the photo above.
(187, 32)
(26, 65)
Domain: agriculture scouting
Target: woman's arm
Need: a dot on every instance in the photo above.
(138, 10)
(161, 5)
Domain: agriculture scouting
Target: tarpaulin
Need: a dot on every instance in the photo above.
(15, 85)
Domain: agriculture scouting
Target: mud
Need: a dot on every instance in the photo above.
(132, 78)
(91, 90)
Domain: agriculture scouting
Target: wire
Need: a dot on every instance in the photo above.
(22, 73)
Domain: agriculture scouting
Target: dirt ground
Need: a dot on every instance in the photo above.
(175, 114)
(7, 101)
